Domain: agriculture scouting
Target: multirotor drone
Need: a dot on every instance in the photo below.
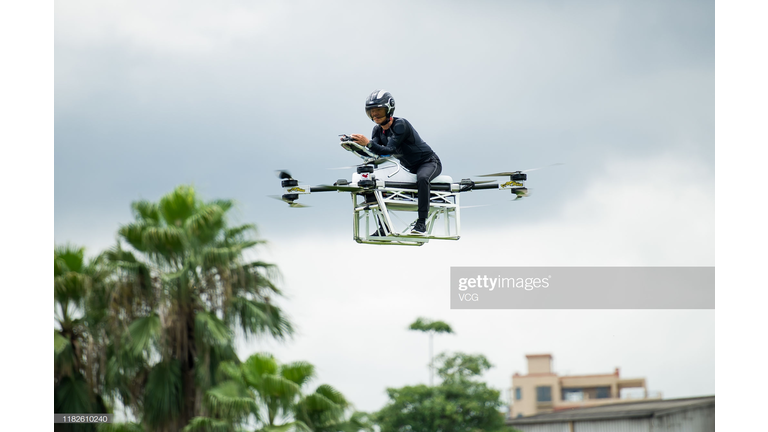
(383, 191)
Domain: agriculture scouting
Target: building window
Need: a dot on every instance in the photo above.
(544, 394)
(603, 392)
(518, 393)
(573, 394)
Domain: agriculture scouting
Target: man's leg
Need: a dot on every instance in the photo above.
(424, 174)
(371, 199)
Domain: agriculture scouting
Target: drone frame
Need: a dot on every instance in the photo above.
(375, 201)
(373, 210)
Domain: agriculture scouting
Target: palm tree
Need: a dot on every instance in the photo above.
(263, 391)
(77, 341)
(430, 327)
(175, 302)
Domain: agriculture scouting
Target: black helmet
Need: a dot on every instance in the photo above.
(380, 99)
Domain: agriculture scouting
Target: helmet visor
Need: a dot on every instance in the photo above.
(376, 113)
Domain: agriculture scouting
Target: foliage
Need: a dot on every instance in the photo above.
(429, 326)
(77, 336)
(149, 322)
(260, 390)
(460, 367)
(459, 404)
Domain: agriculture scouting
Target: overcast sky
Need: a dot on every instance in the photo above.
(152, 95)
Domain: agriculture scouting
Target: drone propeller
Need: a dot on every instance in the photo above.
(375, 162)
(505, 174)
(283, 175)
(545, 166)
(289, 202)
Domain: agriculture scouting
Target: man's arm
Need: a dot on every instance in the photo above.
(399, 133)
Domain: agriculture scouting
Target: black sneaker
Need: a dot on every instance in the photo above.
(379, 233)
(419, 229)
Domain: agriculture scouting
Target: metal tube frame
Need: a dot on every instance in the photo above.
(369, 216)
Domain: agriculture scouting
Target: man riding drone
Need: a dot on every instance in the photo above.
(395, 136)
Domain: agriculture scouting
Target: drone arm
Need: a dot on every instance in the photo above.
(492, 185)
(322, 188)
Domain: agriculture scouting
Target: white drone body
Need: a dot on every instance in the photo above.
(385, 199)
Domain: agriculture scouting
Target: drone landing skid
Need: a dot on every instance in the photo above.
(380, 209)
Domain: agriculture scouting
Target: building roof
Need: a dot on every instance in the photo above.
(640, 409)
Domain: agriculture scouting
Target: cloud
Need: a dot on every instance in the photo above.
(151, 95)
(352, 302)
(167, 28)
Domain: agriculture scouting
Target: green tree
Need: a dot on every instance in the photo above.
(174, 302)
(77, 341)
(460, 403)
(430, 327)
(271, 395)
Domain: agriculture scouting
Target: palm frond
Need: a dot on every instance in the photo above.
(59, 343)
(317, 402)
(238, 233)
(146, 212)
(163, 240)
(212, 331)
(298, 372)
(117, 254)
(178, 205)
(120, 427)
(71, 286)
(133, 234)
(206, 424)
(256, 318)
(267, 270)
(332, 394)
(294, 426)
(68, 258)
(257, 366)
(228, 370)
(65, 360)
(358, 421)
(205, 222)
(224, 204)
(231, 400)
(142, 332)
(163, 394)
(222, 256)
(279, 387)
(72, 396)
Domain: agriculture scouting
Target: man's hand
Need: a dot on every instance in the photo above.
(360, 139)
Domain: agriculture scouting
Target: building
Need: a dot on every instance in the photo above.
(678, 415)
(542, 390)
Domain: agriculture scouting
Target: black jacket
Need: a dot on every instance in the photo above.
(402, 141)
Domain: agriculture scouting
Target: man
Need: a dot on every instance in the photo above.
(395, 136)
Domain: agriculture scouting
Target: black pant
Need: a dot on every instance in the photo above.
(425, 173)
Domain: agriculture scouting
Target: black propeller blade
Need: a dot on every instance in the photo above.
(505, 174)
(291, 203)
(283, 175)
